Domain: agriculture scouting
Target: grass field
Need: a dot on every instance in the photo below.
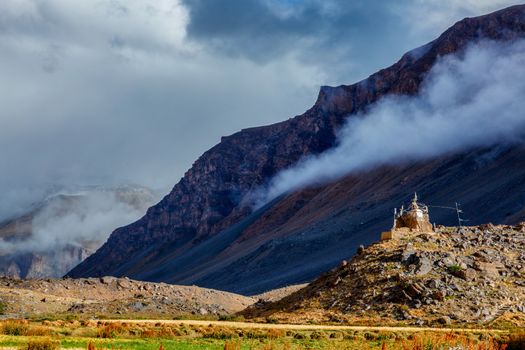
(140, 335)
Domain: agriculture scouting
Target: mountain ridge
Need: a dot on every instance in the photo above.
(208, 201)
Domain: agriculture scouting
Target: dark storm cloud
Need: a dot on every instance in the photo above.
(349, 38)
(329, 32)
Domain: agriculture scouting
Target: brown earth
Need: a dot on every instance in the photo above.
(279, 293)
(120, 297)
(113, 297)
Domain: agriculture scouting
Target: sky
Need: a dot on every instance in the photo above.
(133, 91)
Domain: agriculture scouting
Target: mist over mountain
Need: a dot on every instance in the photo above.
(445, 120)
(60, 231)
(456, 109)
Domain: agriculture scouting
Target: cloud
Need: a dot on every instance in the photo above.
(113, 91)
(352, 38)
(334, 33)
(66, 223)
(466, 101)
(79, 217)
(84, 218)
(107, 92)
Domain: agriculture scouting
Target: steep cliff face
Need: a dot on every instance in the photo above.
(204, 218)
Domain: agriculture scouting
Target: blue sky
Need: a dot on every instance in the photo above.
(114, 91)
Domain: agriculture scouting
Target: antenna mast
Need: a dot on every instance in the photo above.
(458, 211)
(456, 208)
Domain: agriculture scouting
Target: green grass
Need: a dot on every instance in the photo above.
(454, 268)
(190, 344)
(132, 344)
(122, 335)
(362, 342)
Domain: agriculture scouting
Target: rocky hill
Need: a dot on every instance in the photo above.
(456, 275)
(205, 232)
(113, 297)
(59, 232)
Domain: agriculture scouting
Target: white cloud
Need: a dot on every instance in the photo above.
(114, 91)
(111, 92)
(471, 101)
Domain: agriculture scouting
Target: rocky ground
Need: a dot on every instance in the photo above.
(453, 276)
(279, 293)
(119, 298)
(113, 297)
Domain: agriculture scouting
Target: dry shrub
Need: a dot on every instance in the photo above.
(149, 333)
(516, 341)
(232, 345)
(92, 346)
(38, 331)
(179, 332)
(168, 332)
(56, 323)
(164, 331)
(275, 333)
(43, 344)
(112, 330)
(450, 340)
(88, 323)
(85, 332)
(15, 327)
(318, 335)
(255, 334)
(300, 336)
(268, 346)
(22, 328)
(218, 333)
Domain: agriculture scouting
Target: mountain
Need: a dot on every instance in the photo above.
(59, 232)
(205, 231)
(460, 275)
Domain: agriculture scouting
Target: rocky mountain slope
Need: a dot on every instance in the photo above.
(456, 275)
(204, 232)
(59, 232)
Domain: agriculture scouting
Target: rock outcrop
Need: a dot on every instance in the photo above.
(455, 275)
(203, 232)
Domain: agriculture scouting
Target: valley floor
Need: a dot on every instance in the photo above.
(201, 334)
